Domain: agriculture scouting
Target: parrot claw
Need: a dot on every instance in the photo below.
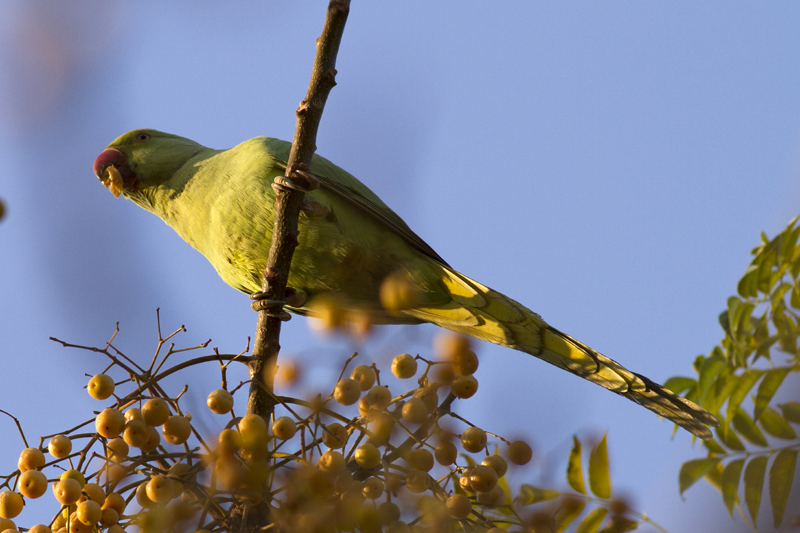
(300, 181)
(266, 306)
(292, 297)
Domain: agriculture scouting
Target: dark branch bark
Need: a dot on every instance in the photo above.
(287, 209)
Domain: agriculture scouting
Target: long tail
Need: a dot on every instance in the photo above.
(478, 311)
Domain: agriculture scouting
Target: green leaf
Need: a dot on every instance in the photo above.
(714, 477)
(620, 524)
(591, 522)
(730, 483)
(773, 423)
(679, 384)
(745, 383)
(708, 372)
(794, 300)
(729, 437)
(767, 388)
(781, 475)
(599, 474)
(528, 495)
(693, 470)
(575, 468)
(748, 429)
(714, 447)
(568, 512)
(791, 411)
(754, 484)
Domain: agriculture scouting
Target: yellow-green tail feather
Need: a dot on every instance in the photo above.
(480, 312)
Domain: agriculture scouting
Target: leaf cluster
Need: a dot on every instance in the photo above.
(739, 379)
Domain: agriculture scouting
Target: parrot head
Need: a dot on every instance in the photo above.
(140, 160)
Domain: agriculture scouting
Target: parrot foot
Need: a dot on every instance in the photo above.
(299, 181)
(262, 302)
(312, 208)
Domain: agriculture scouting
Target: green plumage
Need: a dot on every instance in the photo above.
(222, 203)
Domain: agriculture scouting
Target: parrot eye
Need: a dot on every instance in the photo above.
(142, 137)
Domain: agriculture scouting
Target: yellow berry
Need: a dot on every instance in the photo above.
(10, 504)
(446, 453)
(449, 345)
(40, 528)
(159, 489)
(519, 452)
(6, 523)
(101, 386)
(155, 411)
(76, 526)
(497, 463)
(464, 362)
(418, 481)
(153, 440)
(463, 480)
(60, 446)
(117, 449)
(177, 429)
(142, 498)
(495, 497)
(136, 433)
(379, 397)
(331, 461)
(30, 459)
(334, 435)
(458, 506)
(414, 411)
(473, 439)
(389, 512)
(373, 488)
(134, 413)
(284, 428)
(404, 366)
(115, 501)
(347, 391)
(398, 293)
(364, 375)
(109, 517)
(67, 491)
(229, 442)
(94, 492)
(254, 431)
(464, 387)
(89, 512)
(367, 455)
(483, 478)
(110, 423)
(74, 474)
(420, 459)
(220, 401)
(32, 484)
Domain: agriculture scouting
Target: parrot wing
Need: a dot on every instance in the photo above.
(345, 186)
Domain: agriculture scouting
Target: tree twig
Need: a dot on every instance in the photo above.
(290, 194)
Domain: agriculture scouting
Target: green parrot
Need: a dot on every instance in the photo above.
(222, 203)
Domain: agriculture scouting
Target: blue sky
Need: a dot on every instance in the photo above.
(609, 165)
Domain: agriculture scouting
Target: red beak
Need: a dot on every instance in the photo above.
(106, 159)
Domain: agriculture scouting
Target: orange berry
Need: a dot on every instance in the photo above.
(67, 491)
